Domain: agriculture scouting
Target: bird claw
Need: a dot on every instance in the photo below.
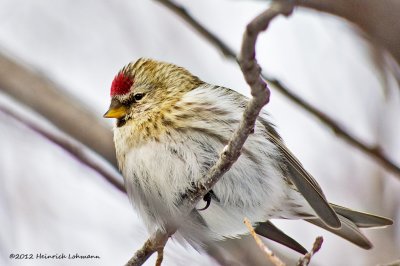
(207, 199)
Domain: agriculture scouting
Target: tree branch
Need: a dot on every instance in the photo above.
(304, 261)
(78, 151)
(205, 33)
(372, 151)
(379, 19)
(231, 152)
(63, 111)
(393, 263)
(160, 256)
(155, 243)
(270, 255)
(52, 102)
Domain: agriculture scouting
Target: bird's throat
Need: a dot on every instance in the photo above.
(121, 121)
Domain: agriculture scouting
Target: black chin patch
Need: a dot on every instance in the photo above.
(121, 122)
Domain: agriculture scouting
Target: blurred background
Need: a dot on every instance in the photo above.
(57, 61)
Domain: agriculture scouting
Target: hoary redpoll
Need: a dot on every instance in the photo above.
(171, 127)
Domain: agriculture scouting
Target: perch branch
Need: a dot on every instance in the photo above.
(393, 263)
(155, 243)
(78, 151)
(160, 256)
(304, 261)
(231, 152)
(52, 102)
(372, 151)
(270, 255)
(379, 19)
(63, 111)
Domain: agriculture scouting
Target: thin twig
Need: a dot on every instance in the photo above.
(304, 261)
(205, 33)
(160, 256)
(269, 253)
(260, 92)
(231, 152)
(393, 263)
(376, 19)
(71, 146)
(373, 152)
(155, 243)
(65, 112)
(51, 101)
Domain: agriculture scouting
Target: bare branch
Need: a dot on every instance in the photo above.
(71, 146)
(160, 256)
(304, 261)
(260, 92)
(379, 19)
(270, 255)
(372, 151)
(231, 152)
(53, 103)
(393, 263)
(64, 112)
(155, 243)
(181, 12)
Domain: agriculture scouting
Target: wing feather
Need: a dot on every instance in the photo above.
(270, 231)
(307, 185)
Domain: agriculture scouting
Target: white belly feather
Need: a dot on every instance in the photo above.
(157, 174)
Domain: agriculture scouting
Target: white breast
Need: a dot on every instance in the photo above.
(157, 174)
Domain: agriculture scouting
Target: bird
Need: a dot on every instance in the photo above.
(170, 129)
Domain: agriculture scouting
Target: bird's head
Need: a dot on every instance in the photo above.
(147, 86)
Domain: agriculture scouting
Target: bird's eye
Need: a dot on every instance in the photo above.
(138, 96)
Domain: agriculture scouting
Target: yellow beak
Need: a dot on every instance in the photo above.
(116, 110)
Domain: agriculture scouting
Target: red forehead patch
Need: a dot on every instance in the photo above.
(121, 84)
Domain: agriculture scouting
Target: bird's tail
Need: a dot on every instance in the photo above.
(351, 222)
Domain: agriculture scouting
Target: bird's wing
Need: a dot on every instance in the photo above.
(362, 219)
(270, 231)
(348, 231)
(306, 184)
